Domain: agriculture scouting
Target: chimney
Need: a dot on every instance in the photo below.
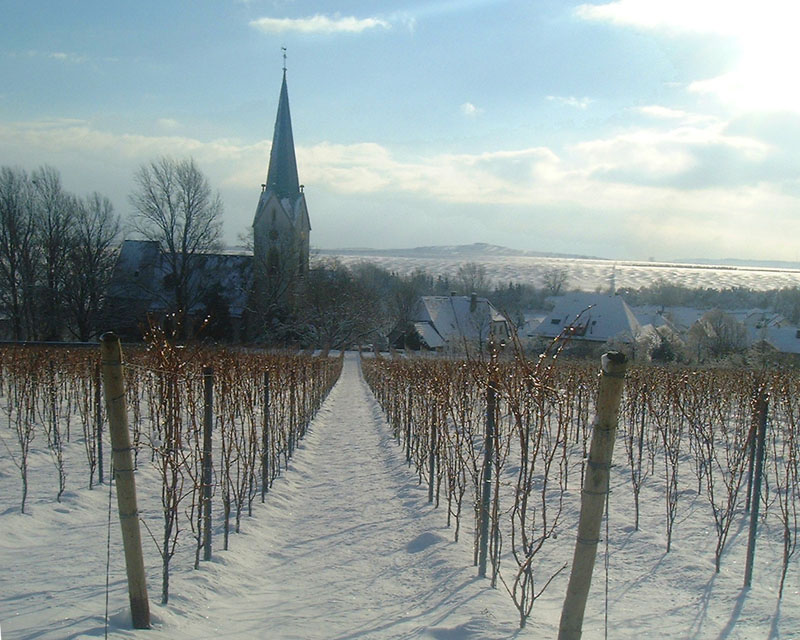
(473, 302)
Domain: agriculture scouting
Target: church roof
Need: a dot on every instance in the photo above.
(141, 278)
(282, 175)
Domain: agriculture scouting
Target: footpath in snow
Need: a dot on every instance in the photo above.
(345, 547)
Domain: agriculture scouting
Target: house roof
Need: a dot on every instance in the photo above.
(784, 339)
(594, 317)
(455, 317)
(429, 335)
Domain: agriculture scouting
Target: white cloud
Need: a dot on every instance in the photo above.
(59, 56)
(318, 24)
(571, 101)
(629, 183)
(168, 123)
(707, 16)
(761, 75)
(662, 113)
(470, 110)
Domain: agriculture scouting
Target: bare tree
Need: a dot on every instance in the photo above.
(174, 206)
(472, 278)
(554, 281)
(90, 263)
(338, 310)
(54, 212)
(17, 250)
(718, 334)
(405, 294)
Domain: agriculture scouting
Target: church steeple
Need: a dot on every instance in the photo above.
(282, 175)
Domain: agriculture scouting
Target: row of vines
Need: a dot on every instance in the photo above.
(262, 406)
(678, 428)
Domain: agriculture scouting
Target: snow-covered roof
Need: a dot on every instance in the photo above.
(429, 335)
(783, 339)
(458, 317)
(594, 317)
(141, 275)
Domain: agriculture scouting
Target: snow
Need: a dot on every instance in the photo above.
(346, 546)
(584, 274)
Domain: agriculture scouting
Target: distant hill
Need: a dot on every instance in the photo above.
(466, 251)
(478, 250)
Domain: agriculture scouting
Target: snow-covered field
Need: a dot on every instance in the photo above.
(586, 274)
(346, 546)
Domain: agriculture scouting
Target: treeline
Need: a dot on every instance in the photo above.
(360, 302)
(57, 251)
(344, 305)
(785, 301)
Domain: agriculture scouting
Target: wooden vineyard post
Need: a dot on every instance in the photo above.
(208, 425)
(98, 417)
(432, 456)
(122, 461)
(593, 496)
(488, 454)
(265, 471)
(408, 425)
(761, 436)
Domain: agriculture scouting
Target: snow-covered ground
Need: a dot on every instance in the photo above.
(585, 274)
(346, 546)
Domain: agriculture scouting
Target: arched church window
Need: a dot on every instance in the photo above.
(273, 262)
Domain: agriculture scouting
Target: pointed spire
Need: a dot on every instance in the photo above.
(282, 174)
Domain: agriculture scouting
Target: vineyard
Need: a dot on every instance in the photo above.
(686, 453)
(264, 404)
(688, 436)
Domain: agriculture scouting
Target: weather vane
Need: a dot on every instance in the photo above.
(284, 58)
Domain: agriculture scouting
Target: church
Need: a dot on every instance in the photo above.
(281, 226)
(239, 292)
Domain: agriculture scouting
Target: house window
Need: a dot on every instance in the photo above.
(555, 321)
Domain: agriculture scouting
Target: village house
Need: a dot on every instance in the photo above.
(454, 322)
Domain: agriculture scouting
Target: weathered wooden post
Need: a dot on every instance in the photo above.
(488, 454)
(122, 460)
(98, 420)
(761, 437)
(595, 489)
(208, 425)
(408, 425)
(265, 440)
(432, 456)
(292, 413)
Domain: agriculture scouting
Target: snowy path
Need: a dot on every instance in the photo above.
(347, 546)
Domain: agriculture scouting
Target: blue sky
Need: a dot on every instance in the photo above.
(628, 129)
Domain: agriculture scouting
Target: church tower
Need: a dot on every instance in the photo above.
(281, 226)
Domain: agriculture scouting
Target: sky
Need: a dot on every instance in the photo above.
(632, 129)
